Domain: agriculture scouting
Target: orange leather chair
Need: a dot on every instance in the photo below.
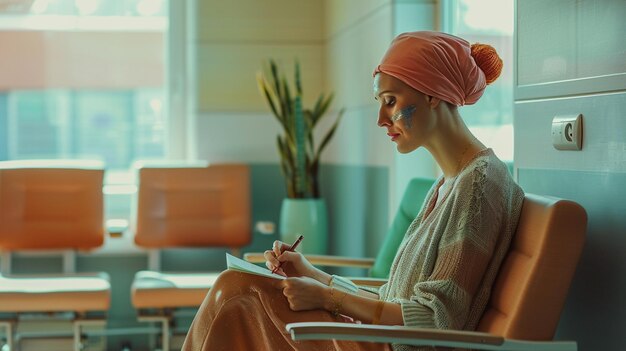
(52, 205)
(188, 207)
(526, 300)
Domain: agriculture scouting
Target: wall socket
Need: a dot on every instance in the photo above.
(567, 132)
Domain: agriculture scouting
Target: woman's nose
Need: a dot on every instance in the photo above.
(383, 119)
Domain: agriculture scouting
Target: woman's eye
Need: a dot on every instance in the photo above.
(390, 101)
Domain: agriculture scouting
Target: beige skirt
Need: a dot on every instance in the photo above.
(248, 312)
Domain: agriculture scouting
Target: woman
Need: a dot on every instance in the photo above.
(444, 269)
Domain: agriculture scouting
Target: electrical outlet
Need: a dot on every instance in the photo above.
(567, 132)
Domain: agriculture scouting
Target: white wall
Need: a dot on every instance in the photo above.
(357, 34)
(338, 42)
(232, 40)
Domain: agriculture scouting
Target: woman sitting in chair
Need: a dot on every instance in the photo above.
(443, 271)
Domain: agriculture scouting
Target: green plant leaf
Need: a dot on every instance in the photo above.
(287, 98)
(299, 154)
(269, 96)
(275, 77)
(309, 129)
(298, 81)
(324, 107)
(318, 103)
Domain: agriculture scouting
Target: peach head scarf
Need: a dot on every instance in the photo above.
(442, 65)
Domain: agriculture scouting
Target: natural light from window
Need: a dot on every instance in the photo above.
(491, 22)
(87, 80)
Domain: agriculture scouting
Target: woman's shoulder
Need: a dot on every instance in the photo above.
(485, 170)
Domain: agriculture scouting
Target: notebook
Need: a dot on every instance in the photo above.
(240, 265)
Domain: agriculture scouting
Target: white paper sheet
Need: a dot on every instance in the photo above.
(243, 266)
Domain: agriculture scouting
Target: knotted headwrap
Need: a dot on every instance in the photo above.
(442, 65)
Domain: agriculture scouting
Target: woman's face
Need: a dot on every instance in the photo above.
(404, 112)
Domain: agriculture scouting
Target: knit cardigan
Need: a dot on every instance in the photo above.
(446, 264)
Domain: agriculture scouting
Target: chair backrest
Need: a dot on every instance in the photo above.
(532, 283)
(411, 203)
(51, 205)
(193, 206)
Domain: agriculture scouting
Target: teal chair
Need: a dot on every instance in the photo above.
(411, 203)
(378, 268)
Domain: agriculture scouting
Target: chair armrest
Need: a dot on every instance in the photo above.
(320, 260)
(419, 337)
(368, 282)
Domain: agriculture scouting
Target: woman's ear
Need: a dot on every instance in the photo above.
(432, 101)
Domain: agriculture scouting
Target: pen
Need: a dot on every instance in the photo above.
(291, 248)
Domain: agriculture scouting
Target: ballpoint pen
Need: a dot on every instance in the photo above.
(291, 248)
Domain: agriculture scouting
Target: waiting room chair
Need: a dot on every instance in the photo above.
(186, 207)
(378, 268)
(526, 300)
(51, 206)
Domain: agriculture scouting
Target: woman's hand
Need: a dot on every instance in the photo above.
(305, 293)
(293, 263)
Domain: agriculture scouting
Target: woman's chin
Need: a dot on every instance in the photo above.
(404, 149)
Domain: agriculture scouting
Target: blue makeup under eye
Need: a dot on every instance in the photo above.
(406, 114)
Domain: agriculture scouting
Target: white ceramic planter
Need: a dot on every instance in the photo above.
(309, 218)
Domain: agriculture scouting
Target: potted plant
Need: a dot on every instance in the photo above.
(303, 211)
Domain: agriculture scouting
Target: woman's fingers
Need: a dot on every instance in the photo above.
(279, 271)
(277, 248)
(290, 256)
(270, 259)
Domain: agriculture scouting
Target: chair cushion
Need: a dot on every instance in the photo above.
(55, 293)
(168, 290)
(410, 205)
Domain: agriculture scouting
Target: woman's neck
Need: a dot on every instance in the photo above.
(452, 144)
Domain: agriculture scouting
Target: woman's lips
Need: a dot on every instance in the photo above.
(393, 136)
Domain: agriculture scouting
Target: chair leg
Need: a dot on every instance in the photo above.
(165, 328)
(8, 328)
(78, 324)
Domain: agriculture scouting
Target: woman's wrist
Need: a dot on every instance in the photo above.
(322, 277)
(328, 303)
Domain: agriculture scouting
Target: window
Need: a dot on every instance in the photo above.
(116, 126)
(490, 22)
(85, 82)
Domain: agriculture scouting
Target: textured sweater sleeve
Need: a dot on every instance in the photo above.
(343, 284)
(444, 299)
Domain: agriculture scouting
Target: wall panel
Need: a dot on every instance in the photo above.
(604, 133)
(353, 55)
(227, 74)
(254, 21)
(585, 41)
(568, 47)
(343, 14)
